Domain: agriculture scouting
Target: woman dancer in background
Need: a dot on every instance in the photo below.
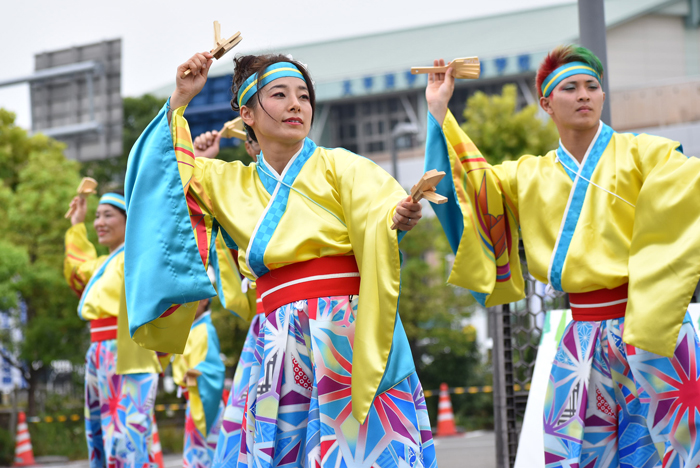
(121, 378)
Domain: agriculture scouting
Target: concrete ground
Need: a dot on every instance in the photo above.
(170, 461)
(473, 449)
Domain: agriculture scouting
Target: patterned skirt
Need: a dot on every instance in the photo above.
(298, 409)
(198, 451)
(609, 404)
(229, 443)
(118, 411)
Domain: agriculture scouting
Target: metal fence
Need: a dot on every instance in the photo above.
(516, 330)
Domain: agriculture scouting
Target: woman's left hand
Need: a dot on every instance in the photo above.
(407, 214)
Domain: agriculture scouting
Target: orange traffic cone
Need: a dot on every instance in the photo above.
(446, 418)
(156, 452)
(24, 455)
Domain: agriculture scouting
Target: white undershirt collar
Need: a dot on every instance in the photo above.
(289, 163)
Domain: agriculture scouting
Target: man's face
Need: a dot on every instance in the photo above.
(252, 148)
(201, 308)
(576, 103)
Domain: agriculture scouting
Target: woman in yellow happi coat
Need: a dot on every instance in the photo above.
(121, 378)
(611, 218)
(313, 226)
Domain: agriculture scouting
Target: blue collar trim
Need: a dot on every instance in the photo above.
(575, 204)
(95, 278)
(274, 211)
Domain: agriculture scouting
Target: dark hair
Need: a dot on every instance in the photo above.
(247, 65)
(118, 192)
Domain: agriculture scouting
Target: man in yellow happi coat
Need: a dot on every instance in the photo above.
(613, 220)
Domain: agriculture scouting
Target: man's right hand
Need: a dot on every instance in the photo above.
(187, 87)
(206, 145)
(439, 91)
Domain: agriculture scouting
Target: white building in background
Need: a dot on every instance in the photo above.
(364, 87)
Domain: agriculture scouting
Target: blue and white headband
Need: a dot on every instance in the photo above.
(565, 71)
(113, 199)
(275, 71)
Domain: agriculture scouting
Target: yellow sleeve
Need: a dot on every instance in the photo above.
(179, 368)
(132, 358)
(229, 281)
(480, 217)
(664, 263)
(369, 196)
(195, 353)
(81, 258)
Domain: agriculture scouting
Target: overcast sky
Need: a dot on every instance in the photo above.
(157, 36)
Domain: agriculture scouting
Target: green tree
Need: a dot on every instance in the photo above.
(426, 298)
(501, 132)
(37, 184)
(232, 332)
(13, 264)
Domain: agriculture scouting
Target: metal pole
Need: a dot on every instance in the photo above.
(500, 412)
(591, 25)
(394, 158)
(401, 129)
(13, 415)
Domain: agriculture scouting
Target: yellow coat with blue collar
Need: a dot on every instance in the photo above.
(628, 213)
(327, 202)
(99, 281)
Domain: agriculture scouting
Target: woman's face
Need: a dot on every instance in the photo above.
(110, 225)
(576, 103)
(285, 114)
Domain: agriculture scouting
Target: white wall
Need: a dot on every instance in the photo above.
(687, 134)
(646, 49)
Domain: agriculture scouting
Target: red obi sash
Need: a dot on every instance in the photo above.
(320, 277)
(603, 304)
(103, 329)
(259, 309)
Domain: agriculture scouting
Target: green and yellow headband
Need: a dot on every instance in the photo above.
(275, 71)
(565, 71)
(113, 199)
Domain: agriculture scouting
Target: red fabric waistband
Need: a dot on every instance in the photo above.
(320, 277)
(603, 304)
(103, 329)
(259, 309)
